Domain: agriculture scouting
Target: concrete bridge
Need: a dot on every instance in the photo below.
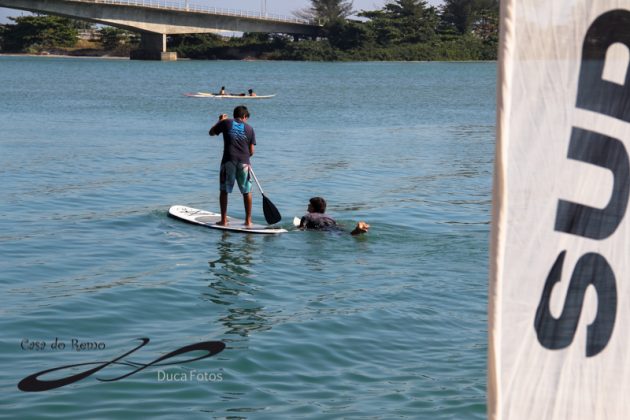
(155, 19)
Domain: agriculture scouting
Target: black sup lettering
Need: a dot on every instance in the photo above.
(612, 99)
(589, 222)
(594, 93)
(557, 333)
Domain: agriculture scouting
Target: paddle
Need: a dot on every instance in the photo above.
(272, 215)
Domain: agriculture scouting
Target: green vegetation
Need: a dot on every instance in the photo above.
(405, 30)
(327, 11)
(118, 42)
(34, 34)
(52, 34)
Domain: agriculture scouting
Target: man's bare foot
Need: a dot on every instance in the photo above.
(222, 223)
(248, 223)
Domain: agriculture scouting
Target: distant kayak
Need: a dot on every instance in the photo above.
(214, 95)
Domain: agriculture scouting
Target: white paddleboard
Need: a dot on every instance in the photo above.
(212, 95)
(209, 219)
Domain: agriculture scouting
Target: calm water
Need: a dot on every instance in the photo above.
(317, 325)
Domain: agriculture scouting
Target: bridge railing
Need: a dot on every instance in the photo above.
(186, 7)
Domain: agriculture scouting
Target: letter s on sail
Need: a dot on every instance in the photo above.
(591, 269)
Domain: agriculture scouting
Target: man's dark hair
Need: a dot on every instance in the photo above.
(241, 112)
(319, 204)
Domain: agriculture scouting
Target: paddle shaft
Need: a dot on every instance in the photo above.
(251, 171)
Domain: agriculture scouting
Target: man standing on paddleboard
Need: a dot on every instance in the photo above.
(238, 146)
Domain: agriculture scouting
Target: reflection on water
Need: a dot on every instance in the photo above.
(235, 254)
(233, 285)
(242, 321)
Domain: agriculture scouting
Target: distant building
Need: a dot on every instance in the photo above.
(89, 35)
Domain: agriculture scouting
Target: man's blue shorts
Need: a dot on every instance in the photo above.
(239, 172)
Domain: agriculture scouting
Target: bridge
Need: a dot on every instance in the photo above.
(155, 19)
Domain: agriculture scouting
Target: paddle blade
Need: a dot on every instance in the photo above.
(272, 215)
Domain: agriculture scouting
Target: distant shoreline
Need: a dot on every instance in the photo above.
(107, 57)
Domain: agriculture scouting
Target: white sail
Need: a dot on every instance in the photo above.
(559, 320)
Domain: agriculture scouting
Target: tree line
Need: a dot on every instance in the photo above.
(42, 33)
(401, 30)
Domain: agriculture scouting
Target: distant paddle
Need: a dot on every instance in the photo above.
(272, 215)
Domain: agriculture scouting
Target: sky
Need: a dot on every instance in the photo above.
(280, 7)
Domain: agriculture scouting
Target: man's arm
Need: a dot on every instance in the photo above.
(252, 142)
(215, 131)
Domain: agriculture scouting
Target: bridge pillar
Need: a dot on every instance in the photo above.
(153, 47)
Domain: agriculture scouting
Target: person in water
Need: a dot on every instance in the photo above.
(250, 92)
(239, 140)
(222, 91)
(317, 219)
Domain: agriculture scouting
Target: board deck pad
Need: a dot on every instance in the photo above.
(209, 220)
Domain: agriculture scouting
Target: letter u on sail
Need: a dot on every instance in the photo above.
(560, 250)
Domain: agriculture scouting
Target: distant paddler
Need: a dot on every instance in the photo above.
(250, 92)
